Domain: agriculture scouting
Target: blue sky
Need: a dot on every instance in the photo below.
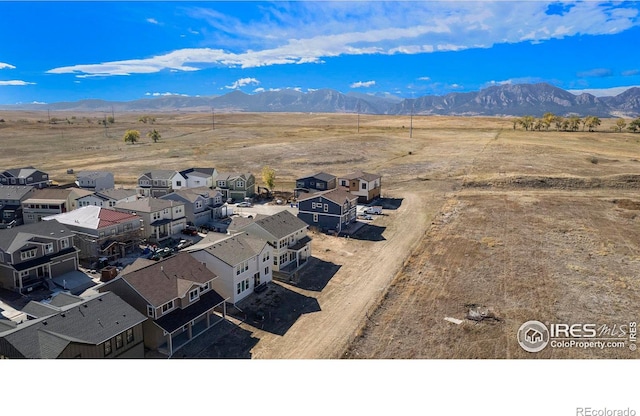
(67, 51)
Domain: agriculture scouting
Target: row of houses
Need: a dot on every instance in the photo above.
(178, 297)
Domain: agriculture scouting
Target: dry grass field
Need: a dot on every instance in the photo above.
(529, 225)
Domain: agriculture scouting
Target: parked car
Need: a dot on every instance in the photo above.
(244, 204)
(366, 217)
(375, 209)
(182, 244)
(190, 230)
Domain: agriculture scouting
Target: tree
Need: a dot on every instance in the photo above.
(154, 135)
(527, 122)
(147, 119)
(548, 119)
(574, 123)
(269, 177)
(634, 126)
(592, 122)
(560, 122)
(131, 136)
(620, 125)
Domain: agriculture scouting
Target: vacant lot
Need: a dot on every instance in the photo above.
(526, 225)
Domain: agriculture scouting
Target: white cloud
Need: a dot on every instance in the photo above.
(152, 21)
(292, 33)
(165, 94)
(6, 66)
(37, 102)
(16, 83)
(424, 79)
(603, 92)
(361, 84)
(242, 82)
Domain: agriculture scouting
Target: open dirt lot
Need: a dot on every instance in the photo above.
(525, 225)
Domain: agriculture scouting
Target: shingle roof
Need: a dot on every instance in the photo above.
(323, 176)
(94, 174)
(236, 249)
(57, 194)
(12, 192)
(336, 195)
(281, 224)
(160, 174)
(231, 176)
(147, 205)
(362, 175)
(91, 321)
(14, 238)
(24, 172)
(117, 194)
(168, 279)
(202, 172)
(192, 194)
(180, 317)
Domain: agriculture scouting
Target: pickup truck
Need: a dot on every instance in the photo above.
(375, 209)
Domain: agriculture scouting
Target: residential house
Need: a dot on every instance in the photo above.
(241, 263)
(329, 210)
(199, 177)
(95, 180)
(98, 326)
(156, 183)
(25, 176)
(201, 204)
(107, 198)
(320, 181)
(237, 186)
(11, 198)
(102, 232)
(45, 202)
(288, 238)
(31, 253)
(161, 218)
(367, 186)
(177, 296)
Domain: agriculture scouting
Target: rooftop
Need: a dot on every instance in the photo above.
(93, 217)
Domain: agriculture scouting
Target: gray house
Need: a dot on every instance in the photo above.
(99, 326)
(320, 181)
(201, 204)
(107, 198)
(199, 177)
(11, 198)
(25, 176)
(330, 210)
(236, 186)
(160, 182)
(161, 218)
(31, 253)
(95, 180)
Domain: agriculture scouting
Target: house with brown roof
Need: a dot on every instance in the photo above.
(177, 296)
(330, 210)
(102, 232)
(366, 186)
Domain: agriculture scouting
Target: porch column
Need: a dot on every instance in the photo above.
(170, 345)
(208, 318)
(190, 330)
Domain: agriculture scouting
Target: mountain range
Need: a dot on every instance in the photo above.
(502, 100)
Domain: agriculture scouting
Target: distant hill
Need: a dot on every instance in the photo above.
(503, 100)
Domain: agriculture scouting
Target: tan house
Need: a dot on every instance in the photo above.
(161, 218)
(366, 186)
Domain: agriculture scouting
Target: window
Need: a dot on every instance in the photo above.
(320, 185)
(326, 207)
(315, 217)
(193, 295)
(178, 183)
(265, 256)
(240, 184)
(119, 342)
(48, 248)
(198, 204)
(204, 287)
(150, 311)
(283, 258)
(107, 348)
(364, 185)
(313, 205)
(24, 273)
(28, 254)
(266, 270)
(242, 286)
(167, 306)
(243, 267)
(129, 335)
(64, 243)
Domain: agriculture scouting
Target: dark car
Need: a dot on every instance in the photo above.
(190, 230)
